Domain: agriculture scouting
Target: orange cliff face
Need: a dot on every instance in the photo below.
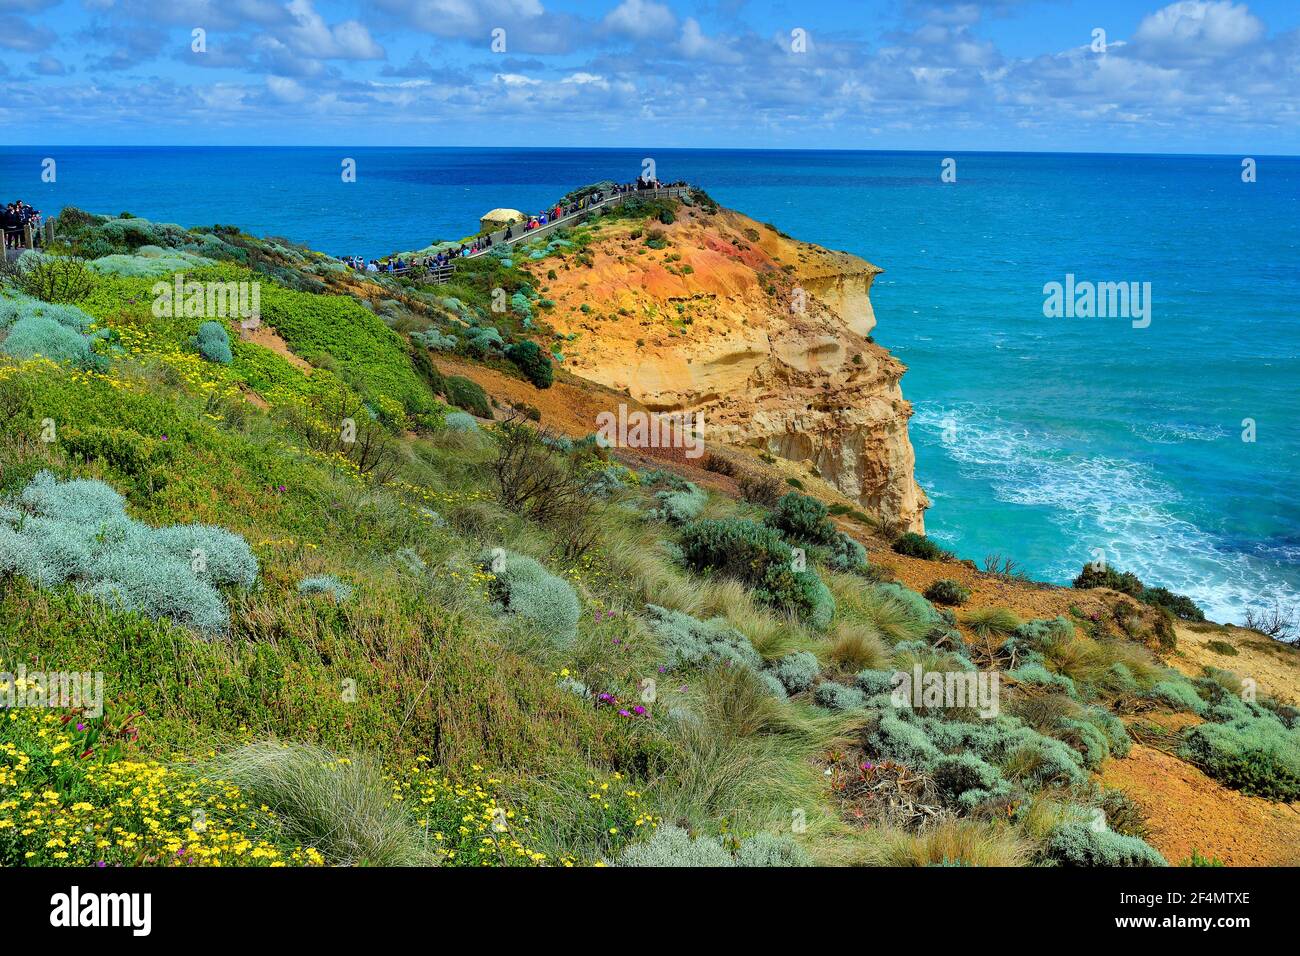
(765, 336)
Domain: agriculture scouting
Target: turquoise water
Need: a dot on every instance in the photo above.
(1042, 439)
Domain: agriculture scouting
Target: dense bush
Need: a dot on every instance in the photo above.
(838, 697)
(435, 339)
(965, 780)
(947, 591)
(532, 362)
(1105, 576)
(1179, 605)
(915, 545)
(78, 532)
(1078, 844)
(796, 671)
(756, 556)
(1036, 674)
(688, 641)
(482, 341)
(522, 586)
(671, 846)
(467, 394)
(1256, 755)
(914, 615)
(149, 262)
(766, 849)
(56, 332)
(678, 506)
(802, 518)
(213, 343)
(846, 554)
(1178, 694)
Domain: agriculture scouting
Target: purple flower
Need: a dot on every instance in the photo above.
(81, 726)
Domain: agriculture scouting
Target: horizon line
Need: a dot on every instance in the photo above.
(724, 149)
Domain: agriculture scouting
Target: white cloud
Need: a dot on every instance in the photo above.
(312, 36)
(641, 19)
(587, 79)
(463, 18)
(515, 79)
(285, 90)
(694, 45)
(1198, 29)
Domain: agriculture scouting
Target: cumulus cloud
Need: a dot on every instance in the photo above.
(285, 90)
(694, 45)
(1197, 30)
(463, 18)
(645, 68)
(641, 19)
(311, 36)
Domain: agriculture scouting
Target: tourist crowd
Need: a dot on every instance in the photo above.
(479, 244)
(14, 218)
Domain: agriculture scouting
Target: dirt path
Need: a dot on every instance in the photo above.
(267, 337)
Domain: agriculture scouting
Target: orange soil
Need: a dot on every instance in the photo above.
(1187, 810)
(267, 337)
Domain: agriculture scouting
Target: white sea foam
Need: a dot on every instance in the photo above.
(1172, 433)
(1122, 507)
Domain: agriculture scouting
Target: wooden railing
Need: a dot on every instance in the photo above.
(499, 237)
(444, 272)
(28, 237)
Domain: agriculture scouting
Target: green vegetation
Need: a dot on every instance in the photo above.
(213, 343)
(467, 394)
(946, 591)
(1126, 582)
(532, 362)
(289, 569)
(915, 545)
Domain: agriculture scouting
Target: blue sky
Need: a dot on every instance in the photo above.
(1190, 76)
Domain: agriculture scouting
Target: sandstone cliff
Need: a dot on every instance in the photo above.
(764, 335)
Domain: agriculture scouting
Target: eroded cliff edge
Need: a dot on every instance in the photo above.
(765, 335)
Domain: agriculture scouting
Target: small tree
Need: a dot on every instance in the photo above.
(59, 279)
(532, 362)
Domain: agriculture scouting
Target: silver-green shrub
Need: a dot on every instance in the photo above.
(797, 671)
(326, 584)
(522, 586)
(689, 642)
(838, 697)
(1078, 844)
(77, 532)
(672, 846)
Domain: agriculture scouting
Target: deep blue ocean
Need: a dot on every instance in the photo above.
(1043, 439)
